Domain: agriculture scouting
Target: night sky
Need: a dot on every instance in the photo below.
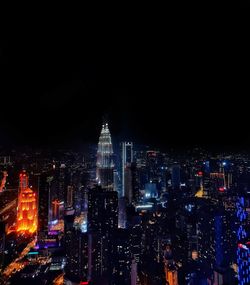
(168, 94)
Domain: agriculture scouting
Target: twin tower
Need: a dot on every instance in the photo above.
(105, 164)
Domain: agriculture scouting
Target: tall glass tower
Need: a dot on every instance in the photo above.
(127, 159)
(105, 164)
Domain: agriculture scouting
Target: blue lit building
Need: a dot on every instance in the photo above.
(243, 250)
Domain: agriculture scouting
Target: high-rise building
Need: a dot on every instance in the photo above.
(70, 196)
(102, 222)
(76, 246)
(243, 251)
(44, 202)
(55, 210)
(105, 164)
(27, 207)
(122, 217)
(136, 238)
(128, 184)
(127, 159)
(121, 258)
(102, 210)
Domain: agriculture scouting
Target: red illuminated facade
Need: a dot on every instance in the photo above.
(27, 207)
(56, 209)
(3, 182)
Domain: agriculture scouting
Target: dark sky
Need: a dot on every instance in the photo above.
(180, 91)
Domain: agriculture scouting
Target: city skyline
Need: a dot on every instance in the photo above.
(150, 217)
(128, 167)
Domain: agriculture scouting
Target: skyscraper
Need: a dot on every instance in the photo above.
(243, 251)
(127, 159)
(27, 206)
(102, 222)
(76, 249)
(105, 165)
(44, 202)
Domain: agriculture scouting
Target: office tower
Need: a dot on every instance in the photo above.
(70, 197)
(76, 247)
(128, 186)
(102, 210)
(98, 254)
(136, 238)
(224, 238)
(44, 202)
(27, 207)
(102, 222)
(135, 183)
(55, 210)
(121, 258)
(62, 176)
(176, 177)
(105, 165)
(122, 216)
(117, 182)
(152, 165)
(243, 251)
(127, 159)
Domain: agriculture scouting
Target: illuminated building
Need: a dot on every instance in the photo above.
(44, 202)
(150, 190)
(55, 209)
(76, 247)
(102, 210)
(151, 164)
(127, 159)
(70, 196)
(105, 165)
(170, 267)
(27, 207)
(102, 222)
(136, 238)
(200, 192)
(122, 217)
(218, 184)
(243, 250)
(171, 275)
(121, 259)
(3, 182)
(128, 184)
